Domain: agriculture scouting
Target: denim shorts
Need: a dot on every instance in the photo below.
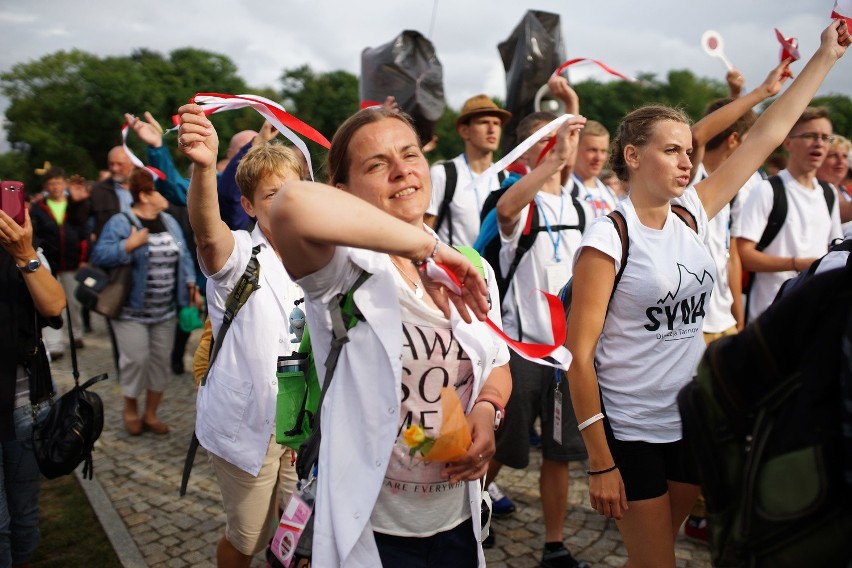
(20, 482)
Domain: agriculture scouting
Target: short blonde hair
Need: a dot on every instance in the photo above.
(273, 158)
(841, 142)
(594, 128)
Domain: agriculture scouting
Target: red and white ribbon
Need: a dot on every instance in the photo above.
(555, 355)
(155, 173)
(603, 66)
(517, 152)
(789, 50)
(285, 122)
(843, 9)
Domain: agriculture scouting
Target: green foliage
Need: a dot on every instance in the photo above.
(323, 100)
(609, 102)
(449, 144)
(68, 107)
(839, 111)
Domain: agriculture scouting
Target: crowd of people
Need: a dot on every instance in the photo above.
(656, 247)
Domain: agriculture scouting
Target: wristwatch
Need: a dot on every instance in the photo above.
(499, 412)
(30, 266)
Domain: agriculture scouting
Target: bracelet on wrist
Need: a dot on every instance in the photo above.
(602, 471)
(589, 421)
(793, 263)
(419, 263)
(499, 411)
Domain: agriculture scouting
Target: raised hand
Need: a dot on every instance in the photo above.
(771, 86)
(267, 132)
(148, 130)
(736, 82)
(197, 138)
(474, 291)
(835, 38)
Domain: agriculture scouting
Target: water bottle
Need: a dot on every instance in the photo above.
(290, 418)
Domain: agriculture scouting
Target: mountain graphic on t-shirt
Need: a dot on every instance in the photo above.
(681, 269)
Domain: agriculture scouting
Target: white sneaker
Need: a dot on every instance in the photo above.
(495, 492)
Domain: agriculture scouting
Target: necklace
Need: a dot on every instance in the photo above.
(418, 291)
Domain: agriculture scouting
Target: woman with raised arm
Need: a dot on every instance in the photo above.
(635, 348)
(376, 504)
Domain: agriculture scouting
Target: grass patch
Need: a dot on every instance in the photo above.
(71, 534)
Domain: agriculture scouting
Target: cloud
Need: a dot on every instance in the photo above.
(264, 38)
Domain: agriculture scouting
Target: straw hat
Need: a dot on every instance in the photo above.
(479, 105)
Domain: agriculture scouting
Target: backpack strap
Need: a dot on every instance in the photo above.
(777, 214)
(828, 192)
(620, 224)
(686, 216)
(531, 231)
(452, 177)
(344, 315)
(248, 283)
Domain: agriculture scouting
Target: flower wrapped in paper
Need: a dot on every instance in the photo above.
(454, 439)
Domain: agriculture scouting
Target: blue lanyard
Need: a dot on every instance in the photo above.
(550, 231)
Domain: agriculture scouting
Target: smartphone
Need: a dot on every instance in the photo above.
(12, 200)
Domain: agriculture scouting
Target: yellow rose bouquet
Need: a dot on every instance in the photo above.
(453, 441)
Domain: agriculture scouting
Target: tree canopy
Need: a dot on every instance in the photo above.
(68, 107)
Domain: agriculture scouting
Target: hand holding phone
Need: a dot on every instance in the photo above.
(12, 200)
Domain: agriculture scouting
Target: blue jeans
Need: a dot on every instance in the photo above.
(20, 481)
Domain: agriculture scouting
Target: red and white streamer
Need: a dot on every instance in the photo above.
(555, 355)
(789, 50)
(155, 173)
(843, 9)
(283, 121)
(517, 152)
(603, 66)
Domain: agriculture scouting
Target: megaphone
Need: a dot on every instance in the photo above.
(545, 101)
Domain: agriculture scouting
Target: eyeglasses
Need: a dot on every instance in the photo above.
(813, 137)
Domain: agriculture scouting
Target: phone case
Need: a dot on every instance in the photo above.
(12, 195)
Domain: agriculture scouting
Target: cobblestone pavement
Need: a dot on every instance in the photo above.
(140, 477)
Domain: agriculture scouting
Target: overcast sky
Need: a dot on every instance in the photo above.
(265, 37)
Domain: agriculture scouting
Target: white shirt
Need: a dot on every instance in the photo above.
(361, 409)
(652, 336)
(719, 316)
(236, 408)
(601, 198)
(806, 233)
(465, 206)
(545, 266)
(739, 202)
(416, 499)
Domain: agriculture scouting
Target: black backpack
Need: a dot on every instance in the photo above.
(444, 213)
(777, 216)
(488, 242)
(762, 425)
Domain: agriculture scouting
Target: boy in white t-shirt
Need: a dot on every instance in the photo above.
(809, 226)
(545, 266)
(592, 155)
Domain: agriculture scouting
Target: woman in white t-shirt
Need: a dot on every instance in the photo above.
(375, 503)
(635, 350)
